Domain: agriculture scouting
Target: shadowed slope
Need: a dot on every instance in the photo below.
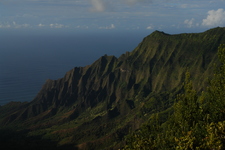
(95, 106)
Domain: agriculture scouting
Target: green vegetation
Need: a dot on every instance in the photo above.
(197, 121)
(150, 98)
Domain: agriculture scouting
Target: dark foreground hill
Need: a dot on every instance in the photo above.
(94, 107)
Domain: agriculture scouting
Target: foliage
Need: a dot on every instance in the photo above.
(215, 104)
(94, 107)
(198, 121)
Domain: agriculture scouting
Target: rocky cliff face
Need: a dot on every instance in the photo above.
(96, 105)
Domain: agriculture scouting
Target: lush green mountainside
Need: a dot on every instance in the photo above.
(197, 120)
(94, 107)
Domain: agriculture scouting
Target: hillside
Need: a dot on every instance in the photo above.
(95, 106)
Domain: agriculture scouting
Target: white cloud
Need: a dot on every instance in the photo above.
(56, 25)
(150, 27)
(14, 25)
(51, 25)
(81, 27)
(112, 26)
(98, 5)
(41, 25)
(104, 5)
(214, 18)
(189, 23)
(25, 25)
(5, 25)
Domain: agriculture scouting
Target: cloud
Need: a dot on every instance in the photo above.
(41, 25)
(214, 18)
(150, 27)
(189, 23)
(20, 25)
(5, 25)
(56, 25)
(81, 27)
(98, 5)
(14, 25)
(25, 25)
(52, 25)
(104, 5)
(112, 26)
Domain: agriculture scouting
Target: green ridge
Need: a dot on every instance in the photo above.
(96, 106)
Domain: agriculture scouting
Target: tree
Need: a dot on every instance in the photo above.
(187, 118)
(215, 97)
(198, 120)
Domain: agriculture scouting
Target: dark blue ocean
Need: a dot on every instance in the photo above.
(28, 60)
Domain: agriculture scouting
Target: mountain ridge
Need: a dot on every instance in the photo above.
(107, 99)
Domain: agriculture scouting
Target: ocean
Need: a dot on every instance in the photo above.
(28, 60)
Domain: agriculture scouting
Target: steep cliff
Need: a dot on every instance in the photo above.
(95, 106)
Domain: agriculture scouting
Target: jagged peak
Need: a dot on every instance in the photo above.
(108, 57)
(103, 59)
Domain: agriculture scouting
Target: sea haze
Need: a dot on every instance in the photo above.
(28, 60)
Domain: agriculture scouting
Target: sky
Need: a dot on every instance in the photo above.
(171, 16)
